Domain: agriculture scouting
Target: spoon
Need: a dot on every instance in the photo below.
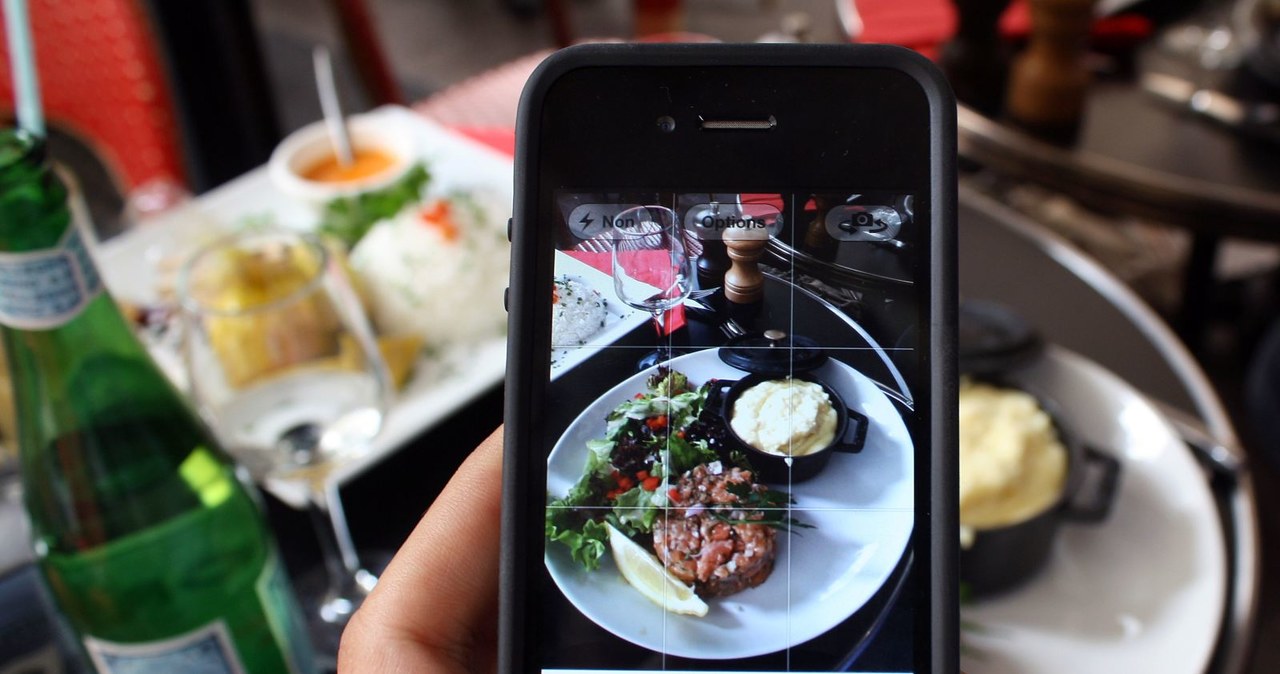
(332, 107)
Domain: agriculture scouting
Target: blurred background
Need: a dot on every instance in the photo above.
(1149, 152)
(430, 46)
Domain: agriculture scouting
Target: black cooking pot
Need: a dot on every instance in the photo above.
(772, 356)
(994, 342)
(1002, 558)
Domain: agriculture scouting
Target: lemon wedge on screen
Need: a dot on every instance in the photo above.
(645, 573)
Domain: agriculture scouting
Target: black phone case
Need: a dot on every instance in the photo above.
(527, 349)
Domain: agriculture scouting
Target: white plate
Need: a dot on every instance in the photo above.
(619, 318)
(1143, 592)
(445, 381)
(862, 506)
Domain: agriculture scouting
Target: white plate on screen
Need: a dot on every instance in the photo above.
(446, 379)
(1142, 592)
(619, 318)
(862, 507)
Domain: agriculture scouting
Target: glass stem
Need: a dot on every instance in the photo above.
(348, 583)
(664, 340)
(330, 553)
(341, 532)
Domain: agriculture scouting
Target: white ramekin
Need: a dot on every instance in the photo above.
(307, 146)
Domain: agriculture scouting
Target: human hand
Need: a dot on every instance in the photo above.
(435, 608)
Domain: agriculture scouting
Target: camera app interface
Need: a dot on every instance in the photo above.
(730, 439)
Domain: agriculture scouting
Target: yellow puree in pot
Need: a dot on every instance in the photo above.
(790, 417)
(1012, 464)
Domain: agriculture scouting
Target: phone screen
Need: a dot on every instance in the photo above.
(730, 308)
(730, 434)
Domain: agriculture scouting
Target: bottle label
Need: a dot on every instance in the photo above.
(210, 649)
(43, 289)
(206, 650)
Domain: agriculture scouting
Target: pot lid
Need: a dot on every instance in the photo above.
(993, 339)
(773, 353)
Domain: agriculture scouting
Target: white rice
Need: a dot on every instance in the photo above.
(421, 281)
(578, 312)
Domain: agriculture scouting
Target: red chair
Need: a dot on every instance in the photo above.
(366, 49)
(922, 25)
(102, 81)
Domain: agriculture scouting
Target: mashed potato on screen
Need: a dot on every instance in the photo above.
(789, 417)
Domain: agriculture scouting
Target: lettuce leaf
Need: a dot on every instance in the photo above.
(586, 544)
(683, 455)
(638, 509)
(349, 218)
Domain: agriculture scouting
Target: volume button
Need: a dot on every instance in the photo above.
(509, 230)
(506, 299)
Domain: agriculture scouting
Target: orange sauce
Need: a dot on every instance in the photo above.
(367, 162)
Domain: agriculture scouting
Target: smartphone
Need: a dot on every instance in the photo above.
(731, 400)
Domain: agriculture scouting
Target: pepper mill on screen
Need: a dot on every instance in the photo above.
(1048, 82)
(744, 283)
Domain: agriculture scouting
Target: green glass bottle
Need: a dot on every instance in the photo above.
(154, 548)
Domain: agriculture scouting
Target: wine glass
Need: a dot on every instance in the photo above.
(282, 361)
(652, 269)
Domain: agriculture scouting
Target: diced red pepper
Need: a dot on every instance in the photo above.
(680, 434)
(656, 423)
(642, 475)
(438, 214)
(435, 209)
(625, 483)
(674, 495)
(651, 484)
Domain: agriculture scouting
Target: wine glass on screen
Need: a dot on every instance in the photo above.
(282, 361)
(652, 268)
